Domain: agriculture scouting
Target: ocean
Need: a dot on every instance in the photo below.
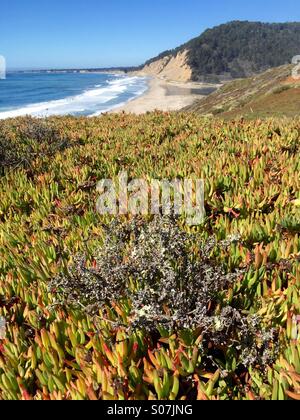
(42, 94)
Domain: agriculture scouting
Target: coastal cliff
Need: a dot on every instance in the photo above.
(170, 67)
(229, 51)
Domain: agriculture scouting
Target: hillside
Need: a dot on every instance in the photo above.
(272, 93)
(233, 50)
(149, 308)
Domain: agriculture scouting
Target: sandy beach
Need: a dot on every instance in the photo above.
(166, 95)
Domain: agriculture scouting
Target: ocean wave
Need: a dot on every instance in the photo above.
(137, 93)
(91, 101)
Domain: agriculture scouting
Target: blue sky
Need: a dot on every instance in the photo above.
(96, 33)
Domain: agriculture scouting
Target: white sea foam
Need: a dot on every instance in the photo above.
(92, 101)
(137, 93)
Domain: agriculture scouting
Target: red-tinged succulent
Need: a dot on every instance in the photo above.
(49, 170)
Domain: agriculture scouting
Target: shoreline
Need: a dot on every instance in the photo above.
(159, 94)
(164, 95)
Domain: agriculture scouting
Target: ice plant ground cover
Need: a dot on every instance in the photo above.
(131, 338)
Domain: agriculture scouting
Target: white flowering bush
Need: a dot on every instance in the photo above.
(151, 265)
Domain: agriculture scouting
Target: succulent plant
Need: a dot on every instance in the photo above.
(246, 345)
